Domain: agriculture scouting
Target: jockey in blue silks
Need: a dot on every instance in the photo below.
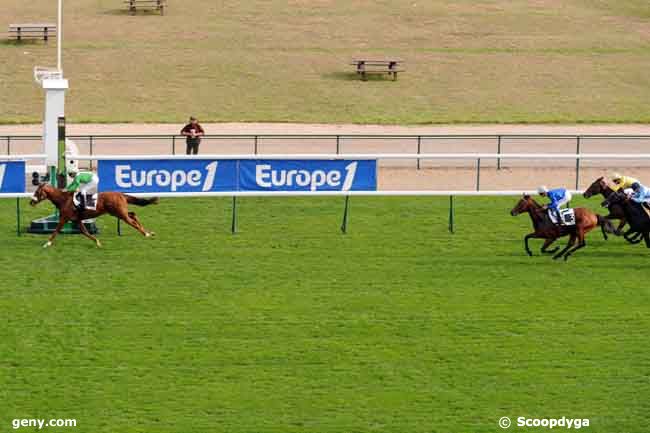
(558, 198)
(641, 194)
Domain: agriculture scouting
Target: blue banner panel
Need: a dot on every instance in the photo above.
(307, 175)
(167, 175)
(12, 177)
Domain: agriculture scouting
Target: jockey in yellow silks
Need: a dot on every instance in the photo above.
(621, 182)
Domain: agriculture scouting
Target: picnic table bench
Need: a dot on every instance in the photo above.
(157, 5)
(25, 31)
(365, 66)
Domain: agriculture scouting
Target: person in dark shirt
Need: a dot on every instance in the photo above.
(193, 131)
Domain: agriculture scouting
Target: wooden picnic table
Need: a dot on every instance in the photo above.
(383, 66)
(158, 5)
(24, 31)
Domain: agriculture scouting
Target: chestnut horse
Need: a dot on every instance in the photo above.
(112, 203)
(616, 212)
(544, 228)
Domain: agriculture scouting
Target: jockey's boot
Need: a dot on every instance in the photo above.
(82, 202)
(90, 201)
(556, 212)
(81, 209)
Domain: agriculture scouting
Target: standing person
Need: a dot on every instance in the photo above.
(193, 133)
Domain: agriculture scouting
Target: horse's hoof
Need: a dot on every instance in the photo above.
(47, 244)
(99, 244)
(152, 234)
(529, 254)
(147, 235)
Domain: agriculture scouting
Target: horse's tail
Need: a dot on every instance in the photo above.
(607, 225)
(141, 201)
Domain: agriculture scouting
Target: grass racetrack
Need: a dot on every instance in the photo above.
(290, 326)
(288, 61)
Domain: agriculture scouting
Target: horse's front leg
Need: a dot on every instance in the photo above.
(646, 238)
(547, 243)
(621, 224)
(632, 236)
(526, 238)
(57, 230)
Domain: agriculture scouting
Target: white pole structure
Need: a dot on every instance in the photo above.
(55, 86)
(59, 37)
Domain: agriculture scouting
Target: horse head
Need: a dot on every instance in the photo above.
(597, 187)
(525, 204)
(43, 192)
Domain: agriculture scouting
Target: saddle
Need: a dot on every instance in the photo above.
(567, 217)
(88, 202)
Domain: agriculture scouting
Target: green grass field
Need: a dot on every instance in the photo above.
(290, 326)
(278, 61)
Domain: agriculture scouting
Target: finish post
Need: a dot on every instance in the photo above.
(451, 214)
(344, 224)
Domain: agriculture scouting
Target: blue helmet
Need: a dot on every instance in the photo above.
(636, 186)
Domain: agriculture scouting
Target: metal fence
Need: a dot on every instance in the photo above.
(497, 171)
(337, 143)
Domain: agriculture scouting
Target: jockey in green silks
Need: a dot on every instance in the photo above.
(84, 181)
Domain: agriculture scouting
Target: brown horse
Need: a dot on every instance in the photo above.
(112, 203)
(616, 212)
(586, 221)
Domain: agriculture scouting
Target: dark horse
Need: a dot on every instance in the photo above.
(635, 215)
(599, 186)
(112, 203)
(544, 228)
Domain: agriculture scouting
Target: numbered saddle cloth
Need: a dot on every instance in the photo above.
(567, 217)
(90, 201)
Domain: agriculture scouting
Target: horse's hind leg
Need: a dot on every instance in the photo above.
(547, 243)
(581, 244)
(569, 244)
(126, 217)
(134, 217)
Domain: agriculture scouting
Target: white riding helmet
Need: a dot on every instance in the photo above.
(542, 189)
